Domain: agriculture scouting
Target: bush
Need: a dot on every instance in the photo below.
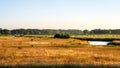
(57, 36)
(61, 36)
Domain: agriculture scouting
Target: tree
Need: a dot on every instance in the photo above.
(91, 32)
(0, 31)
(6, 32)
(109, 31)
(85, 31)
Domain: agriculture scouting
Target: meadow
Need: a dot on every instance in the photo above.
(92, 36)
(55, 53)
(98, 36)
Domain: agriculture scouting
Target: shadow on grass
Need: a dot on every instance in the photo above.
(62, 66)
(34, 46)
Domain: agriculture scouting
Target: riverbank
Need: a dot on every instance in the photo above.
(114, 42)
(103, 39)
(98, 39)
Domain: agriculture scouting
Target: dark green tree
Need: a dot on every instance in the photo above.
(85, 32)
(6, 32)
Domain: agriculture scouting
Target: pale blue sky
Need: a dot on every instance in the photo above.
(60, 14)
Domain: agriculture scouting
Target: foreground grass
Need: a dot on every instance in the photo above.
(61, 66)
(59, 53)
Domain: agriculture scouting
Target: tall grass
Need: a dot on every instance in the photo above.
(65, 53)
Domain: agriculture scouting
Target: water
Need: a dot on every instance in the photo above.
(98, 42)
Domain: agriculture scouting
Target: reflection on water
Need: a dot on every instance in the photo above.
(98, 42)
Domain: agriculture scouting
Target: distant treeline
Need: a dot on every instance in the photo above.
(53, 31)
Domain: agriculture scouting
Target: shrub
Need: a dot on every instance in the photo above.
(61, 36)
(57, 36)
(66, 36)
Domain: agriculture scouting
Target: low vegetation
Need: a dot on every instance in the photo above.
(95, 37)
(61, 36)
(55, 52)
(114, 42)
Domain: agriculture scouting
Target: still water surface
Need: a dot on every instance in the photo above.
(99, 42)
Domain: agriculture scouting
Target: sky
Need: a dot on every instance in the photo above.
(60, 14)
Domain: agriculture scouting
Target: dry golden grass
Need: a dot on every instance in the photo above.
(21, 50)
(26, 41)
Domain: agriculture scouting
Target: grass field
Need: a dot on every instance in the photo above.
(116, 36)
(50, 52)
(92, 36)
(39, 36)
(98, 36)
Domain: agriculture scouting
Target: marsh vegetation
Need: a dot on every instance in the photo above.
(34, 51)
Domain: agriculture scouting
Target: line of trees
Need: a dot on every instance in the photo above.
(53, 31)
